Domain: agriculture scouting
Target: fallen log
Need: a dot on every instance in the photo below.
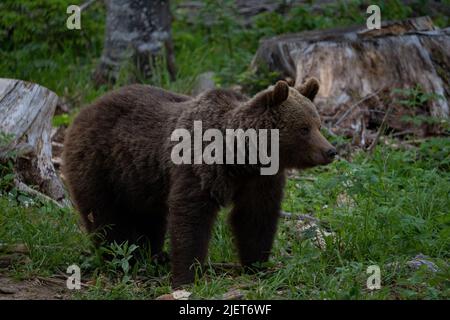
(359, 68)
(26, 110)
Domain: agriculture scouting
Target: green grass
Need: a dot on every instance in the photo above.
(383, 209)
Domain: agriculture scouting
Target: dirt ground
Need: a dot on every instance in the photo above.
(33, 289)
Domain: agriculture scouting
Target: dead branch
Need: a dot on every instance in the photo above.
(299, 216)
(349, 110)
(27, 189)
(380, 131)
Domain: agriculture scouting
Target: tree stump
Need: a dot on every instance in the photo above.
(137, 31)
(359, 68)
(26, 111)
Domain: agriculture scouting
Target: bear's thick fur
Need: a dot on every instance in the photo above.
(120, 175)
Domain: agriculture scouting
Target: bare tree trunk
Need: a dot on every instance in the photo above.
(26, 110)
(137, 31)
(359, 70)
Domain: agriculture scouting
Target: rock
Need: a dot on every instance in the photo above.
(420, 260)
(61, 107)
(204, 82)
(7, 290)
(309, 227)
(176, 295)
(233, 295)
(181, 295)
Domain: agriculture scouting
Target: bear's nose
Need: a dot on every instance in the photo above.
(331, 153)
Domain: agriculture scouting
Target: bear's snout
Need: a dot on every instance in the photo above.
(322, 151)
(327, 156)
(331, 153)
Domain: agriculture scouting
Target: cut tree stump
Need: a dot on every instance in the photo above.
(359, 68)
(26, 111)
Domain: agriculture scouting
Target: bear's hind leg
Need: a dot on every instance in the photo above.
(108, 225)
(152, 228)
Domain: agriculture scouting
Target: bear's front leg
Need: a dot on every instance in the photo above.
(192, 213)
(255, 216)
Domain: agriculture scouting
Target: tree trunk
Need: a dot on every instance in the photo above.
(137, 31)
(26, 110)
(359, 68)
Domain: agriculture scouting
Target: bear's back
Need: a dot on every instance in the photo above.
(133, 112)
(117, 140)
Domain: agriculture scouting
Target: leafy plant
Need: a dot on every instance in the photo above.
(118, 261)
(416, 97)
(254, 82)
(6, 162)
(418, 101)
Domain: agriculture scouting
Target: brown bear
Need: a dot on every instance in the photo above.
(120, 174)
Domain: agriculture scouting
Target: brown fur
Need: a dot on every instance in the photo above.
(120, 175)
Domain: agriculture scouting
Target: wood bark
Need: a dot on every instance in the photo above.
(26, 111)
(136, 31)
(359, 68)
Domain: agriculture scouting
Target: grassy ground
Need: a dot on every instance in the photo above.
(381, 209)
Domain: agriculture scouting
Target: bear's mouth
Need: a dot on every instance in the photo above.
(321, 159)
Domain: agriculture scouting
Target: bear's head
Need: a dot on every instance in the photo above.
(292, 112)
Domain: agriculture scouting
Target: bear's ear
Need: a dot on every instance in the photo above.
(309, 88)
(272, 97)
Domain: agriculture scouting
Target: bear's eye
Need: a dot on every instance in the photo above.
(304, 131)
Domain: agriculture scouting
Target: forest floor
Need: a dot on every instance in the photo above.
(388, 209)
(13, 289)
